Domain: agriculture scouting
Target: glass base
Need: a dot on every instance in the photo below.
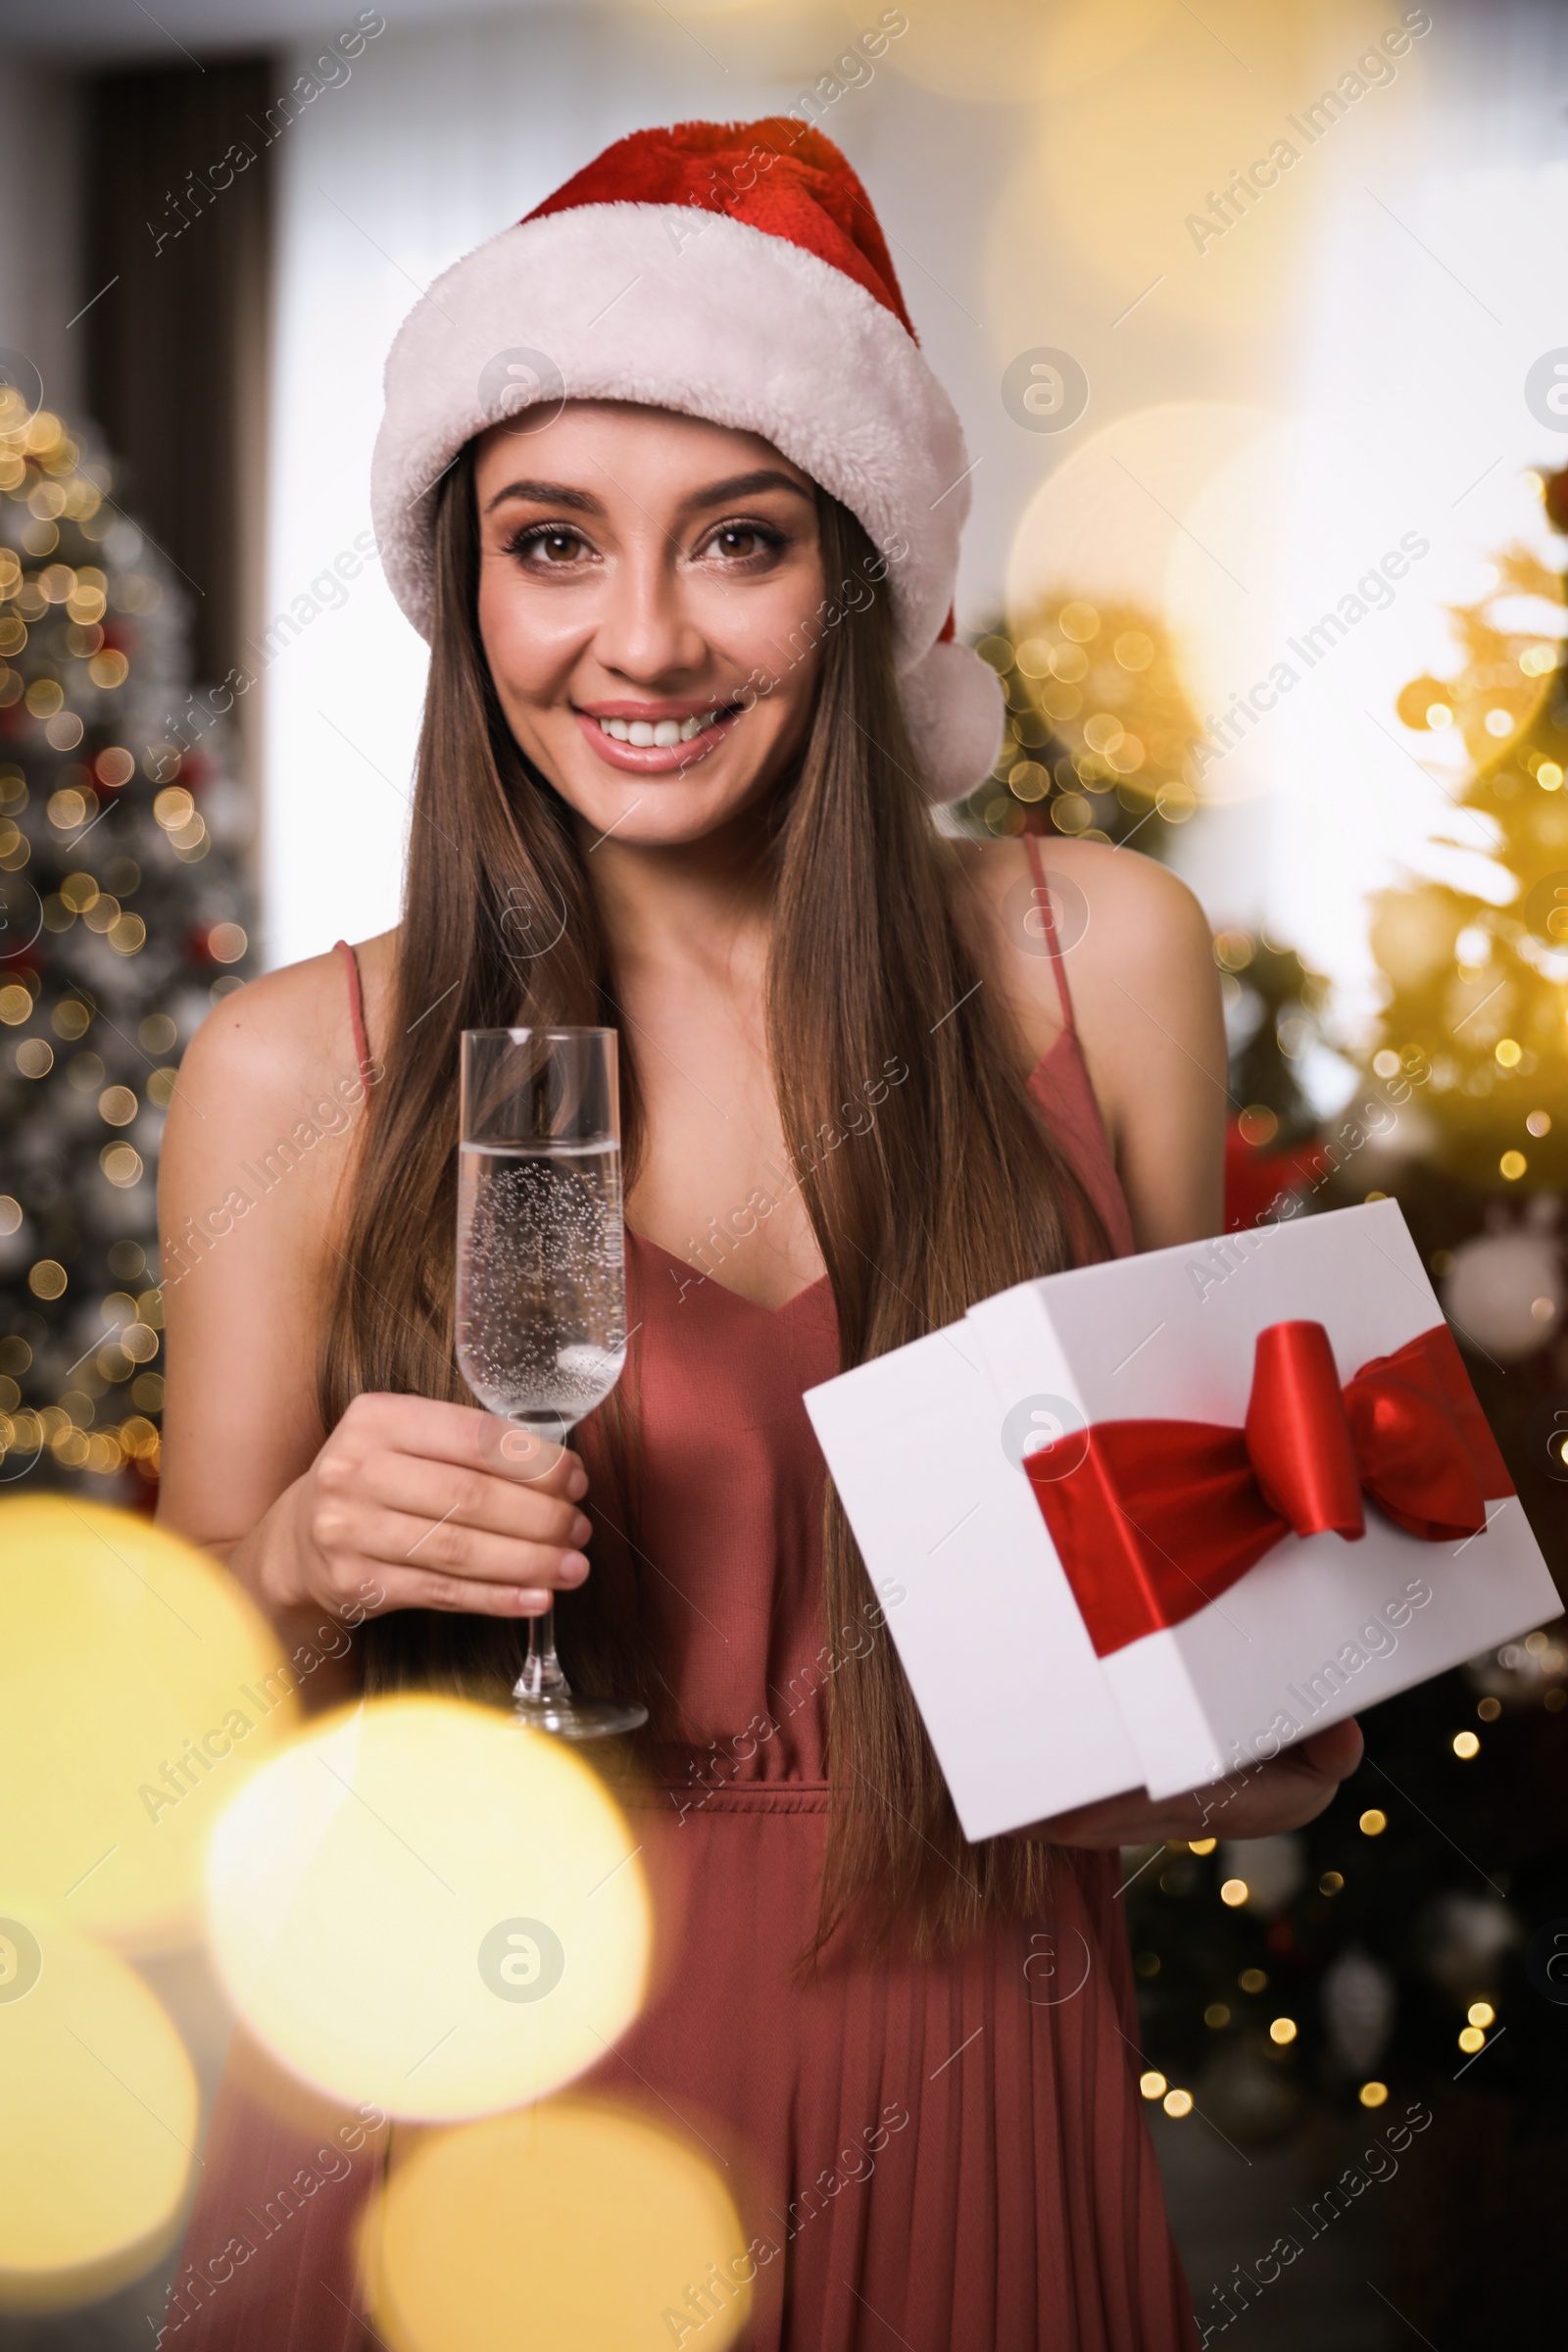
(568, 1718)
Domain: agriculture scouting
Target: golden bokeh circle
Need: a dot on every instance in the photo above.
(425, 1905)
(1104, 522)
(139, 1685)
(98, 2117)
(571, 2222)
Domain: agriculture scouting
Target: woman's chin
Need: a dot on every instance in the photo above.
(657, 812)
(652, 810)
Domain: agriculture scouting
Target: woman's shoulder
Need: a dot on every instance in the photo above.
(1139, 965)
(1124, 924)
(292, 1028)
(1119, 888)
(272, 1070)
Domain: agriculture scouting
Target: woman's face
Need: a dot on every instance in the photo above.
(641, 576)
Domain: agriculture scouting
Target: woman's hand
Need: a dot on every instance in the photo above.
(1264, 1798)
(427, 1506)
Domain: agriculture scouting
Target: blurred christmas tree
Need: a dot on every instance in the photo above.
(1476, 1019)
(1402, 1944)
(122, 903)
(1100, 733)
(1274, 1010)
(1479, 991)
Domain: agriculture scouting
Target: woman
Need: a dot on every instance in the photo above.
(668, 483)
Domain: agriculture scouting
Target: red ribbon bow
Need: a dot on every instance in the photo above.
(1155, 1519)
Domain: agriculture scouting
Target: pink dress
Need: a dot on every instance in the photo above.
(947, 2154)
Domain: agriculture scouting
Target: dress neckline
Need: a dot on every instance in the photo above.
(1068, 1031)
(646, 1242)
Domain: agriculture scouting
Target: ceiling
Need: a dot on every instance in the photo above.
(89, 33)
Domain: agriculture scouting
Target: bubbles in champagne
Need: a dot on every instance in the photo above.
(541, 1278)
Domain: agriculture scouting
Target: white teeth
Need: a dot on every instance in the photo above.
(663, 734)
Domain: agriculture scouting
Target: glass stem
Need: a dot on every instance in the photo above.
(541, 1679)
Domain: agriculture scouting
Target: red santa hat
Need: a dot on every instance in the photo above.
(735, 273)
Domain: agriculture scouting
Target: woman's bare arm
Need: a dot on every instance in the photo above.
(410, 1502)
(258, 1154)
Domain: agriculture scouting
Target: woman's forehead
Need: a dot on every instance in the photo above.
(598, 439)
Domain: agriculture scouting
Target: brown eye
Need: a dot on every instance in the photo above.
(747, 543)
(548, 545)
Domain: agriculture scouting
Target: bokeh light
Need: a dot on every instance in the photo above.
(1007, 49)
(98, 2113)
(423, 1905)
(137, 1687)
(574, 2222)
(1299, 585)
(1105, 520)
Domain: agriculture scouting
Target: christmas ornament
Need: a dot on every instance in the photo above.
(1359, 2002)
(1504, 1290)
(1270, 1868)
(1463, 1938)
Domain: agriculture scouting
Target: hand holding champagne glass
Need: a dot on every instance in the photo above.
(541, 1321)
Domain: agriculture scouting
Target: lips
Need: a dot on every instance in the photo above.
(643, 745)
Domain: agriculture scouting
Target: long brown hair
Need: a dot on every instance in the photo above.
(954, 1193)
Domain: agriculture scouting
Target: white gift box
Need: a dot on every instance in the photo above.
(1026, 1719)
(1017, 1707)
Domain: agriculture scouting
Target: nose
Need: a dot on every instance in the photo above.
(646, 633)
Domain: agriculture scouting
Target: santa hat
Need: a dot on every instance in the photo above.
(733, 273)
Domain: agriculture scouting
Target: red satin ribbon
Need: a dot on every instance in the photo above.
(1155, 1519)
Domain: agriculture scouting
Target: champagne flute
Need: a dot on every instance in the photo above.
(541, 1327)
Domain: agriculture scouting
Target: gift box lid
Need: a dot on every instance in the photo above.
(1171, 1334)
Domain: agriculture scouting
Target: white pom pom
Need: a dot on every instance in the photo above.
(955, 707)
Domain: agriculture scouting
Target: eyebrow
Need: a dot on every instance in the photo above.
(583, 502)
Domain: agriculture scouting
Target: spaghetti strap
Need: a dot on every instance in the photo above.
(1048, 932)
(361, 1048)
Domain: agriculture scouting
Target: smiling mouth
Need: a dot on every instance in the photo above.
(663, 734)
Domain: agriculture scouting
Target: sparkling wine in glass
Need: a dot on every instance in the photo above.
(541, 1329)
